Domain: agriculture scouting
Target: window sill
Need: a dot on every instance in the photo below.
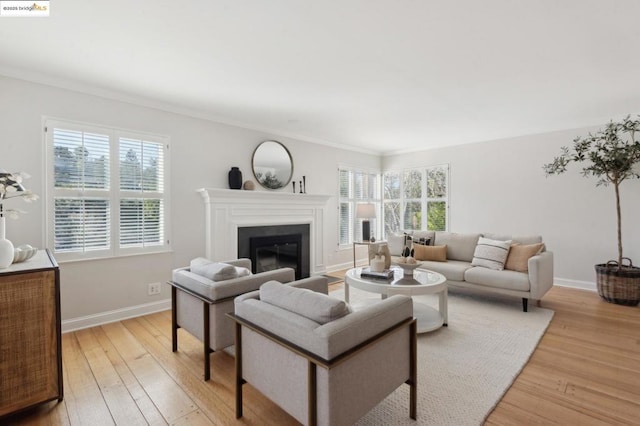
(60, 258)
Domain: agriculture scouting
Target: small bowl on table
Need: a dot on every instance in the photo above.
(23, 253)
(407, 268)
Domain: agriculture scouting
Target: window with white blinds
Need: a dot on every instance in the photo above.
(416, 199)
(355, 187)
(106, 191)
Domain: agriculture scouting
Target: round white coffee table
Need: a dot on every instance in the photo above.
(423, 282)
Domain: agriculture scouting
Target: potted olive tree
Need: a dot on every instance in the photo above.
(609, 155)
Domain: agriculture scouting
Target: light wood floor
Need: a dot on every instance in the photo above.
(585, 371)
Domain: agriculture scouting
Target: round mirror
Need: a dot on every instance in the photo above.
(272, 165)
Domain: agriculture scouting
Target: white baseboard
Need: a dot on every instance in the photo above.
(346, 265)
(583, 285)
(79, 323)
(340, 267)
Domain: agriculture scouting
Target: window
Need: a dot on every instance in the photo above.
(356, 186)
(106, 191)
(416, 199)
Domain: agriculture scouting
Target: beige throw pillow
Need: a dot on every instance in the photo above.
(519, 255)
(213, 270)
(435, 253)
(317, 307)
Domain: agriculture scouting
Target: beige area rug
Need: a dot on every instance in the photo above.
(464, 369)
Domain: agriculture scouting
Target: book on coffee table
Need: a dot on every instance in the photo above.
(386, 274)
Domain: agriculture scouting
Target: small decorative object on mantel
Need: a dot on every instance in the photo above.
(610, 155)
(301, 187)
(304, 184)
(249, 185)
(294, 186)
(10, 187)
(235, 178)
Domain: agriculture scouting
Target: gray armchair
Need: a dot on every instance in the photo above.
(199, 305)
(318, 360)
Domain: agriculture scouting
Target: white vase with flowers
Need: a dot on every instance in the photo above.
(10, 187)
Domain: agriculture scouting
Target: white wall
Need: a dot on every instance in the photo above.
(499, 186)
(202, 153)
(495, 186)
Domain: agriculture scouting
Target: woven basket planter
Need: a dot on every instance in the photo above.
(619, 284)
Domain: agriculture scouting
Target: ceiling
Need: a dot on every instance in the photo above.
(383, 76)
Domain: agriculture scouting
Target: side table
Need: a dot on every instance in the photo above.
(31, 355)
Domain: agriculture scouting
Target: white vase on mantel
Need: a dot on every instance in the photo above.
(6, 248)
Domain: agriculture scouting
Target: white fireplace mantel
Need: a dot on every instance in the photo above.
(226, 210)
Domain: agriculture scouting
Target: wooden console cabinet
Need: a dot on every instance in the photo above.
(30, 343)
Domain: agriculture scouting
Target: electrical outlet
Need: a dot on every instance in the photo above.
(154, 288)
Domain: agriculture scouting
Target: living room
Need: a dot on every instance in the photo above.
(496, 180)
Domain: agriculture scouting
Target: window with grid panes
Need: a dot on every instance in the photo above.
(106, 192)
(356, 186)
(416, 199)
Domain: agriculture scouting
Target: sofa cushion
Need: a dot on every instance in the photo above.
(459, 246)
(491, 253)
(519, 255)
(317, 307)
(510, 280)
(213, 270)
(515, 239)
(435, 253)
(451, 269)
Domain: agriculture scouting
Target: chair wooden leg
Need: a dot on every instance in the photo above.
(174, 320)
(413, 368)
(313, 394)
(239, 380)
(207, 343)
(525, 303)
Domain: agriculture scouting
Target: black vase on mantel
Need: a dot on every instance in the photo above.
(235, 178)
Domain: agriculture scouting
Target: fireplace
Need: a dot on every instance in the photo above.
(227, 212)
(273, 247)
(283, 251)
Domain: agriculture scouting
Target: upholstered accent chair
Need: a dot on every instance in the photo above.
(316, 358)
(199, 304)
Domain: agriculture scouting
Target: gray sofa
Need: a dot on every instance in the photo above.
(529, 285)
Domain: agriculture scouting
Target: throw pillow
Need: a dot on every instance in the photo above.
(396, 243)
(213, 270)
(519, 255)
(491, 253)
(435, 253)
(243, 272)
(422, 241)
(316, 306)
